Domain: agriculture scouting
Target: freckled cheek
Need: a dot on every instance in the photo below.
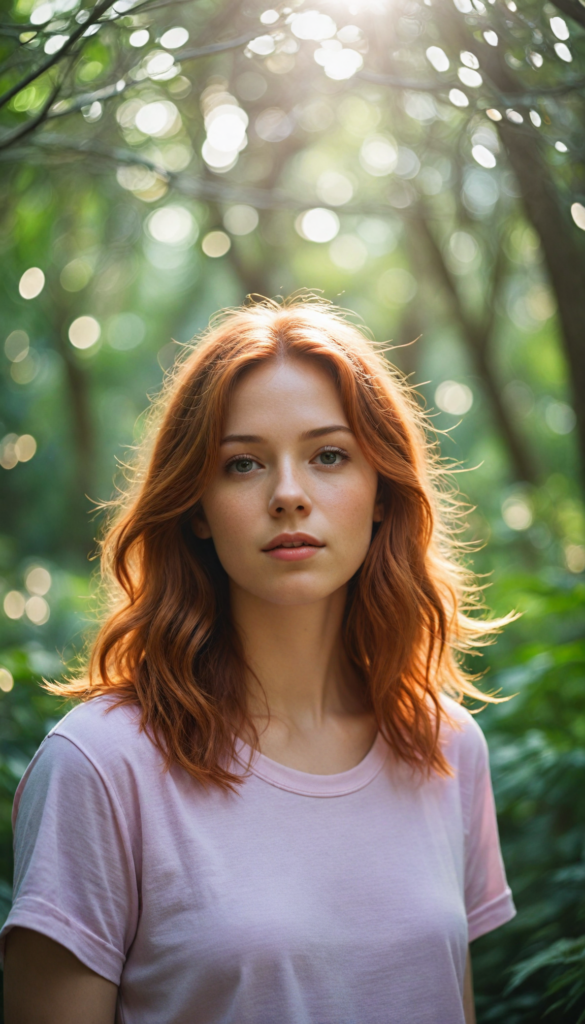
(234, 518)
(350, 510)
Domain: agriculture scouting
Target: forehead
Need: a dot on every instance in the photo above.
(280, 392)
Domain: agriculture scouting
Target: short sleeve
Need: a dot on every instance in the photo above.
(75, 880)
(488, 898)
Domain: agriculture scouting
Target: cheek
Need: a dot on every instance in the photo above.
(352, 507)
(349, 512)
(233, 517)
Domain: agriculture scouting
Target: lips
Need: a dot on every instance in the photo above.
(291, 541)
(293, 547)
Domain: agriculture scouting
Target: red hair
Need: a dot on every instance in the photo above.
(168, 644)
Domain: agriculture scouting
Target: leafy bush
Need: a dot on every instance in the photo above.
(534, 966)
(27, 715)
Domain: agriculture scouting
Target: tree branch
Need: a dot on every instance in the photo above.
(548, 214)
(186, 184)
(442, 85)
(494, 287)
(573, 8)
(476, 337)
(97, 12)
(204, 51)
(29, 126)
(114, 89)
(398, 82)
(76, 103)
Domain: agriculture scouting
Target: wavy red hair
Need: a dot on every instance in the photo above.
(167, 643)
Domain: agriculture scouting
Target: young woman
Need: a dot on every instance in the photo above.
(270, 807)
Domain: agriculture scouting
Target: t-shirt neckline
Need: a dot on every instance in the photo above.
(307, 784)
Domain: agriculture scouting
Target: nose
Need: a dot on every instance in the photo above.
(289, 494)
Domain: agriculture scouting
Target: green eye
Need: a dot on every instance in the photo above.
(328, 458)
(243, 465)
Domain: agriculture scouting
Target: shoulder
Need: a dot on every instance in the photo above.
(464, 742)
(110, 736)
(98, 738)
(101, 727)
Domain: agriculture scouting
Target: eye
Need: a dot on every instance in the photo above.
(331, 457)
(242, 465)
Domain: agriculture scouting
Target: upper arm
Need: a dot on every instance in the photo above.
(75, 879)
(468, 999)
(488, 899)
(46, 984)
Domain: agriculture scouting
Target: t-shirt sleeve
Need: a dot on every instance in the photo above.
(488, 898)
(75, 879)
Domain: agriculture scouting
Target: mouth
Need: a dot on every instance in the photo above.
(293, 547)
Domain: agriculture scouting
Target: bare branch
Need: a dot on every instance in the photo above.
(114, 89)
(527, 98)
(204, 51)
(97, 12)
(476, 337)
(442, 85)
(29, 126)
(397, 82)
(109, 91)
(498, 272)
(14, 30)
(75, 103)
(148, 6)
(573, 9)
(184, 183)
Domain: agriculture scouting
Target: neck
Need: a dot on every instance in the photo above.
(299, 672)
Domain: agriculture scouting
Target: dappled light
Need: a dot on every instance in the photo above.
(84, 332)
(318, 225)
(378, 155)
(454, 398)
(419, 162)
(517, 513)
(241, 219)
(216, 244)
(6, 680)
(31, 283)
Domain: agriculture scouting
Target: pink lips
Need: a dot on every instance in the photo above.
(305, 547)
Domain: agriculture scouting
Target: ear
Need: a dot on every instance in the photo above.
(200, 524)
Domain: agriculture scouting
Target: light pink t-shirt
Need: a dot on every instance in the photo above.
(301, 899)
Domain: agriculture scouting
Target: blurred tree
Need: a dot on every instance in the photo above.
(459, 75)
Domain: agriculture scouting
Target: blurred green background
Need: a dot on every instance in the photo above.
(421, 163)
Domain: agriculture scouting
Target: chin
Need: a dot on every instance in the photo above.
(295, 591)
(292, 600)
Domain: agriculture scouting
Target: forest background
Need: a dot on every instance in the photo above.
(421, 163)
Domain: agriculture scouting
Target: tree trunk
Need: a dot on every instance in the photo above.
(80, 529)
(476, 338)
(565, 260)
(564, 256)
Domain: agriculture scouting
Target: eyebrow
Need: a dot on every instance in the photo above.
(308, 435)
(321, 431)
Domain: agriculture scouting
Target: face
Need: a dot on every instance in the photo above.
(293, 499)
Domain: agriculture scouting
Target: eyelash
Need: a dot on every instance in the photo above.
(250, 458)
(239, 458)
(336, 451)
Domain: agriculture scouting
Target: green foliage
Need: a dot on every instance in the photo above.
(567, 954)
(27, 714)
(535, 964)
